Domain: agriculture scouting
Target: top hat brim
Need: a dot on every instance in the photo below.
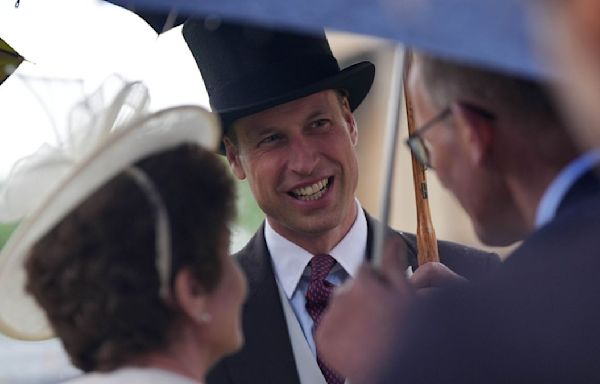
(356, 80)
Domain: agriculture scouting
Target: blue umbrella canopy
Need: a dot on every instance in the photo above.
(484, 32)
(489, 33)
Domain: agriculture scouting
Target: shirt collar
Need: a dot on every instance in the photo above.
(290, 260)
(561, 184)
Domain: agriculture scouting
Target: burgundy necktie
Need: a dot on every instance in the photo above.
(317, 297)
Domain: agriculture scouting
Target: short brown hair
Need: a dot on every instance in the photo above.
(524, 105)
(94, 273)
(449, 81)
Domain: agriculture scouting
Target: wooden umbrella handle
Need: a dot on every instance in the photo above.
(426, 240)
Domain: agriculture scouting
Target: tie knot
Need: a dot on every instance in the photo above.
(320, 265)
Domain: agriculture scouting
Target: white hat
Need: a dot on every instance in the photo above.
(45, 187)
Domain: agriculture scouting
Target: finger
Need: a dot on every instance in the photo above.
(434, 274)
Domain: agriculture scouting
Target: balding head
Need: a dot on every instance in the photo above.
(521, 105)
(498, 147)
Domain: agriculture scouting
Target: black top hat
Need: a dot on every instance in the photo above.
(247, 69)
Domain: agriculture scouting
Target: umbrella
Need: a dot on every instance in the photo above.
(485, 32)
(9, 60)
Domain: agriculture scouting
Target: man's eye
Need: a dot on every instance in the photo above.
(270, 139)
(319, 123)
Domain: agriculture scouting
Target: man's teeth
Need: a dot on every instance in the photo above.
(312, 192)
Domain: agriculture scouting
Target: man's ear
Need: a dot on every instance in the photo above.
(190, 296)
(475, 131)
(350, 121)
(233, 156)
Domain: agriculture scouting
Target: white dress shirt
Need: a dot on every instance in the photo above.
(290, 262)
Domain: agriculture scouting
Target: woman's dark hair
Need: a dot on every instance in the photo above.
(94, 273)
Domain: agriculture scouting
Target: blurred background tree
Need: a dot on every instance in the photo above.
(5, 231)
(249, 216)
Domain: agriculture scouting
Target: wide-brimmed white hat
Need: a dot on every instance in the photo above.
(103, 140)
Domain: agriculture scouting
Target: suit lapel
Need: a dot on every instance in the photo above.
(267, 355)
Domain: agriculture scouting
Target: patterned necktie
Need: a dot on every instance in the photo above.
(317, 296)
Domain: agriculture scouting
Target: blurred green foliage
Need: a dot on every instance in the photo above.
(249, 215)
(5, 231)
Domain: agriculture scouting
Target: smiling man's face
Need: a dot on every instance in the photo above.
(300, 161)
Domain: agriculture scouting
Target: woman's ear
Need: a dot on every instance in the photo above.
(191, 296)
(475, 131)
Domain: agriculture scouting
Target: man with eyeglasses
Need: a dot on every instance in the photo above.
(498, 143)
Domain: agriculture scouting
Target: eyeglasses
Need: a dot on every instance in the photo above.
(417, 144)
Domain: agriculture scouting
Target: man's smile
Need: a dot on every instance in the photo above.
(313, 191)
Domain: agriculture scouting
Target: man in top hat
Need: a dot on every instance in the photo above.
(286, 109)
(499, 144)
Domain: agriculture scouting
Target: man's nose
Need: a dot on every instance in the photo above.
(303, 156)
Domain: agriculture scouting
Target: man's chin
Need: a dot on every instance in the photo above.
(315, 228)
(494, 237)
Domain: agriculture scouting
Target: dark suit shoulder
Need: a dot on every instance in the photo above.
(472, 263)
(267, 355)
(535, 321)
(254, 261)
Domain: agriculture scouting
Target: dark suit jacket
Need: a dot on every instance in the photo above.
(537, 320)
(267, 355)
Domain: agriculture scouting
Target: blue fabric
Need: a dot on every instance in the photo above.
(561, 184)
(535, 320)
(486, 32)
